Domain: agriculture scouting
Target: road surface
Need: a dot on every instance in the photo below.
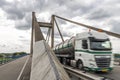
(11, 70)
(115, 74)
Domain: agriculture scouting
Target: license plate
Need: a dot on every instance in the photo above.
(104, 70)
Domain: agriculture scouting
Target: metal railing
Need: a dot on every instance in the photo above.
(82, 75)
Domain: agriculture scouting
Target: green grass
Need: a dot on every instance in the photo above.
(5, 59)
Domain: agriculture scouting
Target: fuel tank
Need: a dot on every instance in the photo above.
(65, 48)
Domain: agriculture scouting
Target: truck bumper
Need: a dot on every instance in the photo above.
(99, 69)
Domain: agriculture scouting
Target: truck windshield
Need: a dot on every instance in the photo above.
(100, 45)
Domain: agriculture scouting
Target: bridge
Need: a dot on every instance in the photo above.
(42, 63)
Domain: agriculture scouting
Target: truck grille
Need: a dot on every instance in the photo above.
(103, 62)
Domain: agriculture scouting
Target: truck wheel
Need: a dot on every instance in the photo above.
(64, 61)
(80, 65)
(68, 62)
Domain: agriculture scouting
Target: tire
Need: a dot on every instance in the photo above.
(64, 61)
(80, 65)
(68, 62)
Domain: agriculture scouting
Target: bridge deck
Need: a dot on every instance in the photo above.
(11, 70)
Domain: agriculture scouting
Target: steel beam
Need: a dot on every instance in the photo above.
(59, 31)
(45, 24)
(36, 34)
(52, 35)
(91, 27)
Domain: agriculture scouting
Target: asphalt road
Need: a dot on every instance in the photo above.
(11, 70)
(114, 75)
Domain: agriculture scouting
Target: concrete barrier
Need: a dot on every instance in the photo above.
(45, 65)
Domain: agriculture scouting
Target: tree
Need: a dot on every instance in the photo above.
(116, 55)
(18, 54)
(1, 55)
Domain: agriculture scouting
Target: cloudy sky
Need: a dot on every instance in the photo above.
(15, 19)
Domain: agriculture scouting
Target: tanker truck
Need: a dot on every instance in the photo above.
(88, 50)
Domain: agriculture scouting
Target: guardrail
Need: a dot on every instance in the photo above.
(5, 60)
(117, 62)
(81, 75)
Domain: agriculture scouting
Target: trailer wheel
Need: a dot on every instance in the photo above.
(64, 61)
(60, 59)
(80, 65)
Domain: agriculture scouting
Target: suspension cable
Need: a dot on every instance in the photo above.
(91, 27)
(48, 35)
(59, 30)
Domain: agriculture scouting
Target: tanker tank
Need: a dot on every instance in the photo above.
(66, 48)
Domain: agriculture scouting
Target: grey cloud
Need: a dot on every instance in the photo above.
(25, 41)
(77, 6)
(25, 23)
(44, 30)
(2, 3)
(66, 8)
(67, 34)
(28, 41)
(64, 34)
(3, 45)
(59, 21)
(99, 14)
(115, 26)
(13, 10)
(14, 14)
(22, 25)
(20, 12)
(105, 10)
(56, 34)
(21, 36)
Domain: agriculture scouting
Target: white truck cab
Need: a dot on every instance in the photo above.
(93, 51)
